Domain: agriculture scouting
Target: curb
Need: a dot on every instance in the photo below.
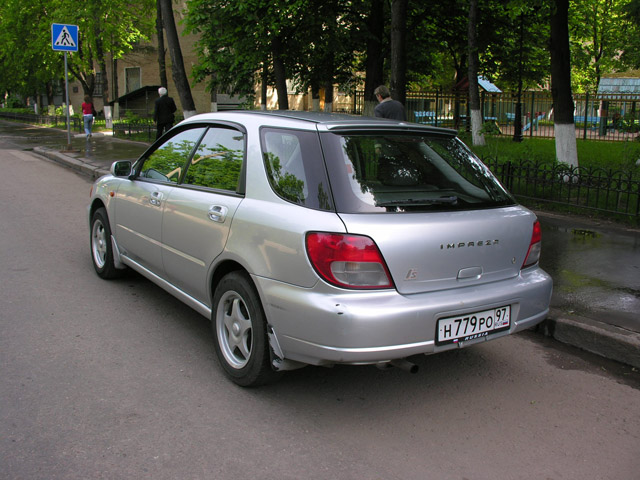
(606, 340)
(93, 171)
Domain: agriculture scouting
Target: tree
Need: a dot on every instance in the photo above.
(373, 28)
(599, 33)
(178, 72)
(398, 84)
(162, 65)
(105, 26)
(565, 132)
(474, 94)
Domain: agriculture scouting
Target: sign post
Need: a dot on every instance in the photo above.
(64, 38)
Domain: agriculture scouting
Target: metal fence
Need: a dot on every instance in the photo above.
(54, 120)
(585, 189)
(139, 131)
(597, 117)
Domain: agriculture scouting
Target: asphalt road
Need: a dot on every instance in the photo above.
(118, 380)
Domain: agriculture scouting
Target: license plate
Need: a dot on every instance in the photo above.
(462, 328)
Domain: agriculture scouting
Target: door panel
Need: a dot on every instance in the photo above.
(198, 216)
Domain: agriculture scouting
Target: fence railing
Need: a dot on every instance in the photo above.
(58, 120)
(585, 189)
(139, 131)
(597, 117)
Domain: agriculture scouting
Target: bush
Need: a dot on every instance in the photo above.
(15, 102)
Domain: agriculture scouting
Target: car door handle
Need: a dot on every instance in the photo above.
(218, 213)
(155, 198)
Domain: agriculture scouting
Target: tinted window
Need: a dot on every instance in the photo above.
(406, 172)
(168, 161)
(218, 160)
(294, 164)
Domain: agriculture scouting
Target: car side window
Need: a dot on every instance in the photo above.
(168, 161)
(217, 161)
(295, 167)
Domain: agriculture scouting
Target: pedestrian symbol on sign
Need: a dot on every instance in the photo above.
(64, 39)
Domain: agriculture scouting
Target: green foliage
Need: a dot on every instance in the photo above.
(600, 31)
(15, 102)
(28, 60)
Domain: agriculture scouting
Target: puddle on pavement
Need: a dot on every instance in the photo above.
(592, 270)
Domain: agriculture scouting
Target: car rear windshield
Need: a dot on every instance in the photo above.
(407, 172)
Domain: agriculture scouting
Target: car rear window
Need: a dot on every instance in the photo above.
(407, 172)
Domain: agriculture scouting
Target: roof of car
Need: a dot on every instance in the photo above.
(331, 121)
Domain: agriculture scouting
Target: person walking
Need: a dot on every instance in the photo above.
(387, 106)
(88, 115)
(163, 112)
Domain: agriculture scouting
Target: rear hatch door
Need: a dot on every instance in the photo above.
(433, 251)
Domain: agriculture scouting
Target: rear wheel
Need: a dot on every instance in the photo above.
(101, 248)
(240, 332)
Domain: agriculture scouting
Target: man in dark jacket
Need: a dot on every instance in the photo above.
(163, 113)
(388, 107)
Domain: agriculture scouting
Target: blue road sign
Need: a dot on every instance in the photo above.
(64, 38)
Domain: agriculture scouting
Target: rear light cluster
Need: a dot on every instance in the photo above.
(348, 261)
(533, 254)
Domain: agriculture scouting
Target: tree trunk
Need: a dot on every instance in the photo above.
(474, 94)
(375, 60)
(214, 95)
(177, 70)
(565, 132)
(328, 96)
(398, 85)
(162, 65)
(280, 73)
(265, 85)
(315, 97)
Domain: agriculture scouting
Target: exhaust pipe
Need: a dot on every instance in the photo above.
(400, 363)
(404, 364)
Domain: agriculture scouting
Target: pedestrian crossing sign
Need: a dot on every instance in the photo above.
(64, 38)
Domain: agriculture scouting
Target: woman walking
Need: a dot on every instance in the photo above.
(88, 112)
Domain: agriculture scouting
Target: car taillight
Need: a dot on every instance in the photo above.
(348, 261)
(533, 255)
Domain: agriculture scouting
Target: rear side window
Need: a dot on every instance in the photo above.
(167, 162)
(408, 172)
(295, 167)
(217, 162)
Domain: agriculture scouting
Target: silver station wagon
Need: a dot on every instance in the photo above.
(322, 239)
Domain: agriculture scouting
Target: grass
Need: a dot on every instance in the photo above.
(594, 154)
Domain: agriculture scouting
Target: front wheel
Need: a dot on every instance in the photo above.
(239, 329)
(101, 249)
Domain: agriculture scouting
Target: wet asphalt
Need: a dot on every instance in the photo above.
(595, 264)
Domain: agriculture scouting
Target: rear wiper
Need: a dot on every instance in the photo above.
(452, 200)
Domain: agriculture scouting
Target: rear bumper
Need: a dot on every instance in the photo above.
(326, 325)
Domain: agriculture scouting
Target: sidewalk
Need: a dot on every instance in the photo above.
(595, 264)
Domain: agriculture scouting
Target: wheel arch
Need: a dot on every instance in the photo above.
(96, 204)
(222, 269)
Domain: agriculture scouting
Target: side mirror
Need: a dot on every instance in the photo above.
(121, 168)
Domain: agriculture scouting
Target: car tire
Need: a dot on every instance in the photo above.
(101, 248)
(240, 332)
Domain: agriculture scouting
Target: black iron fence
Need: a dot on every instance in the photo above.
(52, 120)
(597, 117)
(584, 189)
(135, 131)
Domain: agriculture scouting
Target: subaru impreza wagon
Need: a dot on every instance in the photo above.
(318, 239)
